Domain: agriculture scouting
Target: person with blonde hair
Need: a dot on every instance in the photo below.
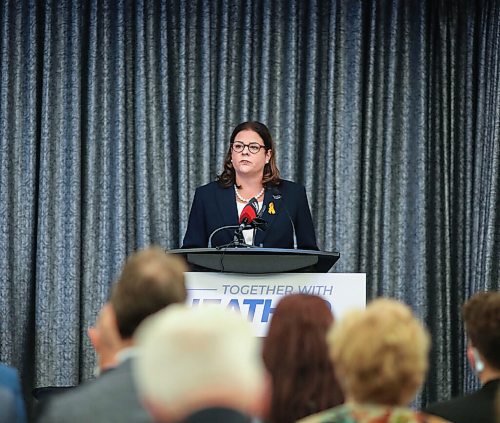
(381, 358)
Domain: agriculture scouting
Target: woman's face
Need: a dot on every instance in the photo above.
(248, 162)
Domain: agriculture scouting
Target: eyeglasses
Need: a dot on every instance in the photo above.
(253, 147)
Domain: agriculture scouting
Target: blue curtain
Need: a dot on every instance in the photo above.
(112, 112)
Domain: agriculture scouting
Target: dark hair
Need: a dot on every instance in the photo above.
(295, 353)
(150, 280)
(481, 315)
(271, 176)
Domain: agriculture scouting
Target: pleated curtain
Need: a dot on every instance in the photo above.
(113, 112)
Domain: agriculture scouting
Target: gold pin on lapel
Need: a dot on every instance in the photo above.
(270, 209)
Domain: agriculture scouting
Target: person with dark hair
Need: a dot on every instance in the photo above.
(251, 174)
(481, 315)
(295, 353)
(150, 281)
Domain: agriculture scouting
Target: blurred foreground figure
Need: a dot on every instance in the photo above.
(296, 355)
(199, 365)
(481, 316)
(150, 281)
(380, 357)
(12, 408)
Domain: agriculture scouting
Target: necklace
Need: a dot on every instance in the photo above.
(244, 200)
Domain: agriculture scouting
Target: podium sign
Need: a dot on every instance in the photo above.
(255, 296)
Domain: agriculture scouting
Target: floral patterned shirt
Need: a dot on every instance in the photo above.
(370, 413)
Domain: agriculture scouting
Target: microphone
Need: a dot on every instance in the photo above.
(277, 196)
(249, 212)
(259, 222)
(249, 219)
(262, 210)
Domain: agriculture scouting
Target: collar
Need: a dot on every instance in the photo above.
(126, 354)
(491, 384)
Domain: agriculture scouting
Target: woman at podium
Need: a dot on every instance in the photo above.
(251, 178)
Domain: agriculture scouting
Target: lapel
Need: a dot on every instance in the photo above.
(272, 210)
(226, 202)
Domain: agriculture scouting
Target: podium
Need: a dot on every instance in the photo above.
(252, 280)
(258, 260)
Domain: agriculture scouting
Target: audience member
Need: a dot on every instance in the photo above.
(8, 413)
(11, 386)
(295, 353)
(498, 405)
(200, 364)
(150, 281)
(380, 357)
(481, 315)
(105, 339)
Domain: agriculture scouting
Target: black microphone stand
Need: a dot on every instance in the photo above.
(238, 240)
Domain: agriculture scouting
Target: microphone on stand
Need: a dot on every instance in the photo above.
(277, 196)
(249, 219)
(259, 223)
(248, 214)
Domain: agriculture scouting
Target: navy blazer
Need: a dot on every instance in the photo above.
(477, 407)
(214, 206)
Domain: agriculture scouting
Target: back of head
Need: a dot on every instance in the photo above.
(380, 353)
(150, 280)
(195, 358)
(296, 355)
(481, 314)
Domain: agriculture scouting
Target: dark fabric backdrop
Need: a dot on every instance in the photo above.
(112, 112)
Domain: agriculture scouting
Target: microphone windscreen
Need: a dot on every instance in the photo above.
(249, 213)
(254, 203)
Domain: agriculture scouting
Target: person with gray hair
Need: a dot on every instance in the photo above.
(200, 364)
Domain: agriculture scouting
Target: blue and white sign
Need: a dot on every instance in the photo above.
(255, 296)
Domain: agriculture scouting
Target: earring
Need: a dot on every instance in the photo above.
(478, 363)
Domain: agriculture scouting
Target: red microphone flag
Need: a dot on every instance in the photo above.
(249, 212)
